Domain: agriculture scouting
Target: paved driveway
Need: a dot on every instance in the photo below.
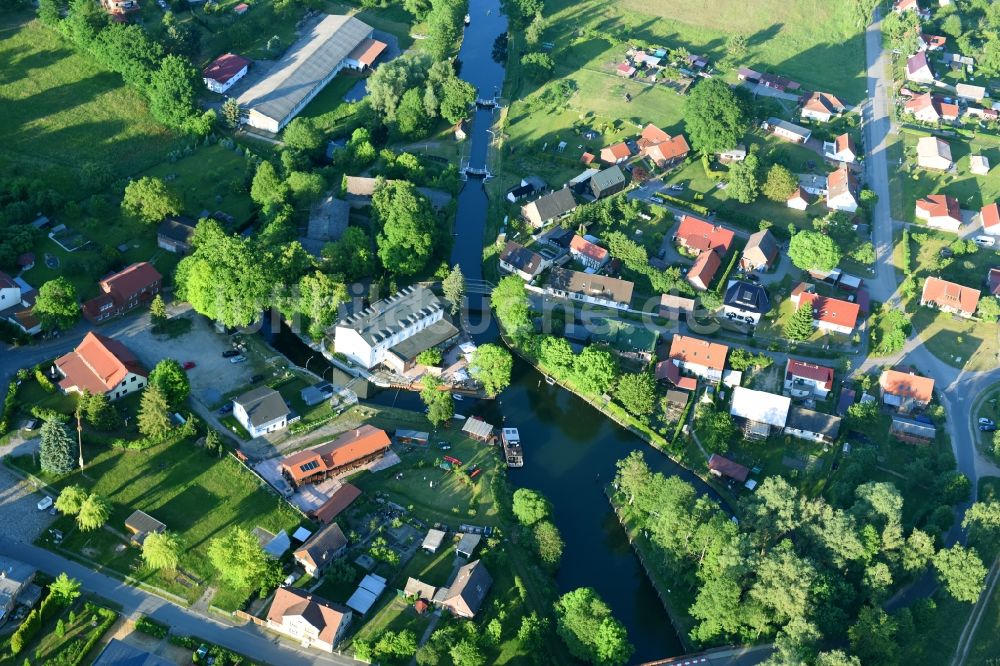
(19, 515)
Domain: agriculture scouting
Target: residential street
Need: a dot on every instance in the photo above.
(249, 640)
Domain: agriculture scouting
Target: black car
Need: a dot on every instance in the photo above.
(229, 353)
(226, 408)
(987, 428)
(256, 378)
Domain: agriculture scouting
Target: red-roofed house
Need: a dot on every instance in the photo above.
(829, 314)
(931, 42)
(949, 112)
(310, 620)
(700, 357)
(698, 236)
(906, 390)
(224, 71)
(842, 190)
(841, 149)
(587, 253)
(807, 379)
(365, 54)
(721, 466)
(939, 211)
(925, 108)
(669, 371)
(102, 366)
(349, 451)
(822, 106)
(615, 153)
(651, 135)
(949, 297)
(123, 291)
(989, 215)
(625, 70)
(799, 199)
(660, 147)
(703, 270)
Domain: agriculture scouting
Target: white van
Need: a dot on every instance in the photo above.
(985, 241)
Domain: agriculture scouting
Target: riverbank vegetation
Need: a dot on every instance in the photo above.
(809, 574)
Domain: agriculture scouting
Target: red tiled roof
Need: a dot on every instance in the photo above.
(98, 364)
(940, 205)
(669, 150)
(131, 279)
(705, 267)
(949, 111)
(6, 282)
(831, 310)
(581, 245)
(821, 102)
(840, 182)
(908, 385)
(323, 615)
(367, 51)
(990, 215)
(587, 158)
(950, 294)
(727, 467)
(700, 352)
(615, 152)
(339, 500)
(845, 142)
(225, 67)
(700, 235)
(652, 134)
(818, 373)
(344, 450)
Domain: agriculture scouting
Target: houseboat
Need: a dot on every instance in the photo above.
(512, 447)
(468, 19)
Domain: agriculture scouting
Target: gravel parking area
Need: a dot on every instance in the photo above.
(19, 515)
(213, 375)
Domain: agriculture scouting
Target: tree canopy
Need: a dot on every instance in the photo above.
(813, 251)
(57, 304)
(239, 558)
(161, 550)
(491, 366)
(408, 227)
(150, 200)
(56, 450)
(530, 506)
(592, 634)
(169, 376)
(715, 117)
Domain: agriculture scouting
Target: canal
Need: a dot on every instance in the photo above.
(570, 448)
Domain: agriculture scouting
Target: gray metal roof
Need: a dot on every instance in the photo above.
(800, 418)
(305, 66)
(554, 204)
(386, 317)
(607, 179)
(262, 405)
(117, 653)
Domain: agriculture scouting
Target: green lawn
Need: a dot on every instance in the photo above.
(50, 648)
(195, 495)
(65, 115)
(394, 615)
(955, 340)
(971, 191)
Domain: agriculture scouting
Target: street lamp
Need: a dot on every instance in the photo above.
(79, 435)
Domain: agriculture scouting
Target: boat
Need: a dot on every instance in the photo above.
(468, 19)
(512, 451)
(457, 396)
(549, 380)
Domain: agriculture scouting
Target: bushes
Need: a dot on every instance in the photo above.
(43, 381)
(223, 657)
(75, 652)
(9, 405)
(147, 625)
(697, 208)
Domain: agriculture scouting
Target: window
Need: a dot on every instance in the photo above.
(133, 378)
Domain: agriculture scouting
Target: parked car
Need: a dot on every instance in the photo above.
(229, 353)
(987, 428)
(238, 359)
(985, 421)
(44, 503)
(32, 424)
(985, 241)
(256, 378)
(676, 188)
(226, 408)
(189, 364)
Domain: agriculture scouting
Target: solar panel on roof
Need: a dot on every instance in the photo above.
(312, 464)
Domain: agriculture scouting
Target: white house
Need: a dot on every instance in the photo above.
(787, 131)
(799, 199)
(841, 149)
(587, 253)
(368, 337)
(918, 69)
(814, 426)
(822, 107)
(223, 72)
(979, 165)
(261, 411)
(804, 379)
(939, 211)
(989, 217)
(310, 620)
(745, 302)
(521, 261)
(588, 288)
(699, 357)
(933, 153)
(829, 314)
(842, 190)
(10, 292)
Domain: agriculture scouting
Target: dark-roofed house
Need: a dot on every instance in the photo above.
(521, 261)
(140, 524)
(465, 595)
(341, 498)
(394, 330)
(261, 411)
(119, 653)
(788, 131)
(549, 207)
(16, 585)
(174, 234)
(594, 289)
(760, 253)
(845, 400)
(328, 219)
(326, 545)
(815, 426)
(745, 302)
(993, 281)
(478, 429)
(914, 432)
(310, 620)
(721, 466)
(467, 545)
(918, 68)
(348, 451)
(804, 379)
(102, 366)
(123, 291)
(223, 72)
(607, 182)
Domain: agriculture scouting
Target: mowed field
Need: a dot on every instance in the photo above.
(815, 42)
(62, 112)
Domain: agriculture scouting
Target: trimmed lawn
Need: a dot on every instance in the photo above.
(432, 568)
(971, 191)
(65, 115)
(195, 495)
